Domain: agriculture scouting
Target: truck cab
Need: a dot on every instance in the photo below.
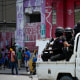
(59, 70)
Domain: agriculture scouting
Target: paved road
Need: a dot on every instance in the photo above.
(8, 71)
(23, 75)
(16, 77)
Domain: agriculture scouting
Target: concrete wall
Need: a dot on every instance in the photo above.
(8, 10)
(8, 15)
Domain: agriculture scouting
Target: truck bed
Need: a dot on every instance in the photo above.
(49, 70)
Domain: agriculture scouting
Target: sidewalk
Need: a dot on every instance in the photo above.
(8, 71)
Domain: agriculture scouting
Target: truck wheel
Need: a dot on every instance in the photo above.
(66, 78)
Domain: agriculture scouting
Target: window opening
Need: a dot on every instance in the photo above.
(32, 18)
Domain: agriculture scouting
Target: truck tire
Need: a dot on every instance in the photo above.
(66, 78)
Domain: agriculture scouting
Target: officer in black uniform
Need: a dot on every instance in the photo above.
(58, 45)
(68, 35)
(70, 40)
(55, 48)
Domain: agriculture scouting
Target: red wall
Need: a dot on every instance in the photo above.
(6, 36)
(48, 16)
(65, 15)
(70, 13)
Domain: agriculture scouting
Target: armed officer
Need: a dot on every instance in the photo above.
(70, 39)
(59, 45)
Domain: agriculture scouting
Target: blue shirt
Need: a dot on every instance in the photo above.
(35, 57)
(27, 53)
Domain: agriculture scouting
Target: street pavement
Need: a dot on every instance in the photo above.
(8, 71)
(5, 74)
(16, 77)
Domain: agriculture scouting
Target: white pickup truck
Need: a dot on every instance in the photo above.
(59, 70)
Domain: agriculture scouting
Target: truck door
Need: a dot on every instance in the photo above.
(78, 56)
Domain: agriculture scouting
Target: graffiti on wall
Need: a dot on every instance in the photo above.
(32, 32)
(38, 4)
(5, 38)
(48, 15)
(20, 23)
(30, 3)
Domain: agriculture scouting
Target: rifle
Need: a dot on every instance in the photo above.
(48, 45)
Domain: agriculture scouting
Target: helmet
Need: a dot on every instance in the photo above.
(59, 31)
(68, 32)
(68, 29)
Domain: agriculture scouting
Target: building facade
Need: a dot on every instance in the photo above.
(61, 13)
(40, 18)
(31, 23)
(7, 22)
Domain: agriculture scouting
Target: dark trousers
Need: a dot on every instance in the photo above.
(14, 65)
(46, 56)
(57, 57)
(9, 63)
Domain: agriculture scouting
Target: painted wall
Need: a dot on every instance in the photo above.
(48, 18)
(19, 36)
(30, 3)
(34, 31)
(42, 19)
(65, 15)
(34, 4)
(5, 39)
(70, 13)
(32, 34)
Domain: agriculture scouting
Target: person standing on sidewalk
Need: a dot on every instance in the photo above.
(23, 56)
(19, 56)
(0, 54)
(13, 61)
(9, 57)
(27, 57)
(3, 57)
